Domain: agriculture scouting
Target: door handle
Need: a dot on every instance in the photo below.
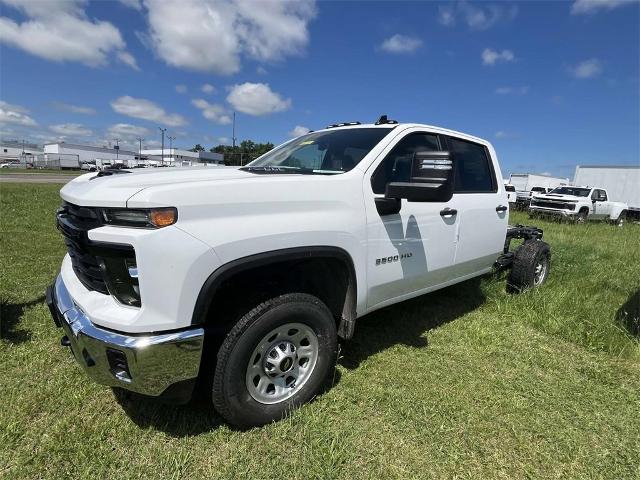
(501, 208)
(448, 212)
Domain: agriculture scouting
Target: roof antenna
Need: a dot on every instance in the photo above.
(384, 120)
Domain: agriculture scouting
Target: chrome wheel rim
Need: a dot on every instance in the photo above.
(540, 271)
(282, 363)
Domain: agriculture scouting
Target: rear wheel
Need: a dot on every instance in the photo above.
(276, 358)
(621, 219)
(530, 268)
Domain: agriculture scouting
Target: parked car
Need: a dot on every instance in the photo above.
(88, 166)
(579, 204)
(10, 165)
(511, 194)
(250, 275)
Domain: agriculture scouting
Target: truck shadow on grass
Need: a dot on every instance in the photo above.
(10, 315)
(628, 315)
(404, 323)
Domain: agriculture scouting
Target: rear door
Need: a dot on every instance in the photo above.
(413, 250)
(482, 207)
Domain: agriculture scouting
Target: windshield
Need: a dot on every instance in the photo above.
(510, 188)
(575, 191)
(323, 152)
(537, 189)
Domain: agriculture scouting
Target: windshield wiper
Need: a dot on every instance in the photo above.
(287, 169)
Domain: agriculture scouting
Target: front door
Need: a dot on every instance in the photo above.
(413, 250)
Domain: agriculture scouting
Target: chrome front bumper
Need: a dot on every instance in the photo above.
(146, 364)
(552, 211)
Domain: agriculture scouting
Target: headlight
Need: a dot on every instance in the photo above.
(140, 217)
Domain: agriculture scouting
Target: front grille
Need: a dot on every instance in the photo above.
(553, 204)
(74, 222)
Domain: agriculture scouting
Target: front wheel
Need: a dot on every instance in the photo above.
(276, 358)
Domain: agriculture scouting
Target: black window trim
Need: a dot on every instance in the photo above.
(494, 183)
(439, 137)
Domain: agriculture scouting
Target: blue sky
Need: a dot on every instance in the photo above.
(551, 84)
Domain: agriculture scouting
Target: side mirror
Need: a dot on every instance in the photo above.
(431, 179)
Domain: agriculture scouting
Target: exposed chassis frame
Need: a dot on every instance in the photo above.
(528, 233)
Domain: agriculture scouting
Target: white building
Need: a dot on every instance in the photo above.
(73, 154)
(181, 158)
(13, 150)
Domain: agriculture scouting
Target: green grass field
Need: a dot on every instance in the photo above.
(468, 382)
(13, 171)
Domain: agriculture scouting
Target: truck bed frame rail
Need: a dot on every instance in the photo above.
(517, 232)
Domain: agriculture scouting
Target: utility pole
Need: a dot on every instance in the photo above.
(140, 139)
(117, 147)
(171, 155)
(233, 133)
(162, 130)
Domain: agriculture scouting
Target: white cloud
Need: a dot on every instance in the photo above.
(211, 111)
(60, 31)
(224, 141)
(261, 70)
(502, 135)
(208, 88)
(446, 16)
(135, 4)
(587, 69)
(256, 99)
(491, 57)
(476, 16)
(127, 130)
(512, 90)
(181, 88)
(213, 35)
(128, 59)
(581, 7)
(128, 135)
(146, 110)
(298, 130)
(67, 107)
(401, 44)
(71, 130)
(15, 114)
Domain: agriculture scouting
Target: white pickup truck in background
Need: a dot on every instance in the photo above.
(580, 204)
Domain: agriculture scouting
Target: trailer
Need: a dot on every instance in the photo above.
(622, 183)
(524, 182)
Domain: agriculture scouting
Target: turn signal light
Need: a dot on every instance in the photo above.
(163, 217)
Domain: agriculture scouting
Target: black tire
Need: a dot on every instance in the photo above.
(527, 258)
(231, 396)
(582, 216)
(621, 219)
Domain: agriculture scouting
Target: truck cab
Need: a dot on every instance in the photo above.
(272, 262)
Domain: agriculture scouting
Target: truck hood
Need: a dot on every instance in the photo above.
(114, 190)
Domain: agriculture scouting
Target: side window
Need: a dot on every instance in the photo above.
(473, 169)
(601, 195)
(396, 167)
(595, 194)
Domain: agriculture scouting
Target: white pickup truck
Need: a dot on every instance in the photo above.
(246, 277)
(579, 204)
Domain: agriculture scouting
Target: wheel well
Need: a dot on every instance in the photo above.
(584, 209)
(233, 292)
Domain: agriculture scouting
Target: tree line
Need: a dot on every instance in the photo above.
(241, 154)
